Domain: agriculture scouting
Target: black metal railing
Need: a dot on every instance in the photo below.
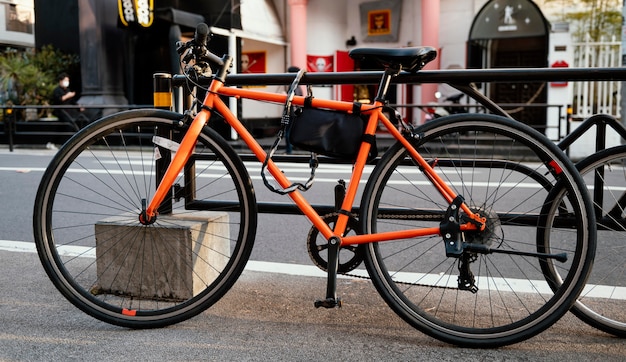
(462, 79)
(16, 129)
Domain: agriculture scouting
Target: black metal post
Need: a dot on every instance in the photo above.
(9, 119)
(162, 83)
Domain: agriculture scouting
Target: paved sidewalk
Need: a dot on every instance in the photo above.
(266, 316)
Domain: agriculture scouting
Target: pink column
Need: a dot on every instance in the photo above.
(430, 37)
(297, 33)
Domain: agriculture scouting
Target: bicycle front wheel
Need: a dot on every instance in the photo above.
(104, 260)
(495, 292)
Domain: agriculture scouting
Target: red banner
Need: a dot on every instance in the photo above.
(344, 64)
(319, 63)
(253, 62)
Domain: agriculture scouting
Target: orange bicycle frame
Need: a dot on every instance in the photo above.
(212, 101)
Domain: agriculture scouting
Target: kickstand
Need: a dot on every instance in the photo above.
(331, 300)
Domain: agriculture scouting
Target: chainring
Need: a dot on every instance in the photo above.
(350, 256)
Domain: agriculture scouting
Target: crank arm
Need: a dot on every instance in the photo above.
(484, 249)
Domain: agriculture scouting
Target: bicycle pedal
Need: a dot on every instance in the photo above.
(328, 303)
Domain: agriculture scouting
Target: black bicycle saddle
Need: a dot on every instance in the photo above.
(411, 59)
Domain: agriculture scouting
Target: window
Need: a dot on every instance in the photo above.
(19, 19)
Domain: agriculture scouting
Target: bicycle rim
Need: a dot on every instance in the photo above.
(602, 302)
(504, 171)
(98, 254)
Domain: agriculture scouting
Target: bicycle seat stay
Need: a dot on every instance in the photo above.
(411, 59)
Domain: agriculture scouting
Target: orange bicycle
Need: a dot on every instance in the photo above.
(475, 229)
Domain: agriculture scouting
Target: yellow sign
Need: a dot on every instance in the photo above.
(379, 22)
(136, 12)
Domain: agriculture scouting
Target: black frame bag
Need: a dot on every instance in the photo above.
(325, 132)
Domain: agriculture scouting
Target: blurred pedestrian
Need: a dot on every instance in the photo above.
(62, 96)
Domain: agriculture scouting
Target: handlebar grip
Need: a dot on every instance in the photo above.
(202, 34)
(200, 39)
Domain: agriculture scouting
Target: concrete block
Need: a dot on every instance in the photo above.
(173, 259)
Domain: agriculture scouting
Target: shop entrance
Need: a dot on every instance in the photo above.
(512, 34)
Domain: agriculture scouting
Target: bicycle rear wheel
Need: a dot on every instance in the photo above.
(495, 294)
(98, 254)
(603, 301)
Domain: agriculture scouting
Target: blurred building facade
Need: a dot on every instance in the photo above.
(121, 43)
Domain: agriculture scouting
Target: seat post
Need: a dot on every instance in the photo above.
(391, 71)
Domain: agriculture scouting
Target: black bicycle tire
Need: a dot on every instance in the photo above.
(582, 310)
(83, 298)
(446, 330)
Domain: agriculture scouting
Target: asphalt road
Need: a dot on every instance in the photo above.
(265, 316)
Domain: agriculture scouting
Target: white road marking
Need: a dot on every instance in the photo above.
(519, 285)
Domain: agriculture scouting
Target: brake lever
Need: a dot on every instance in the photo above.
(187, 58)
(181, 47)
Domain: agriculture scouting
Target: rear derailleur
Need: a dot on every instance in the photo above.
(455, 247)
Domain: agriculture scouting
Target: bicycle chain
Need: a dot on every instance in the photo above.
(425, 216)
(403, 283)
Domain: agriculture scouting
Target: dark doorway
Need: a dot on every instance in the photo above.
(512, 34)
(523, 52)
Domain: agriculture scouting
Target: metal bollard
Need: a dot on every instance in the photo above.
(162, 83)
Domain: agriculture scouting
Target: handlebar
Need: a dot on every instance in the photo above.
(196, 50)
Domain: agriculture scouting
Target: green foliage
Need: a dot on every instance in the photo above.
(599, 20)
(29, 77)
(53, 62)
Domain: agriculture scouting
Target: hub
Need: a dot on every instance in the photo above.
(492, 235)
(144, 219)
